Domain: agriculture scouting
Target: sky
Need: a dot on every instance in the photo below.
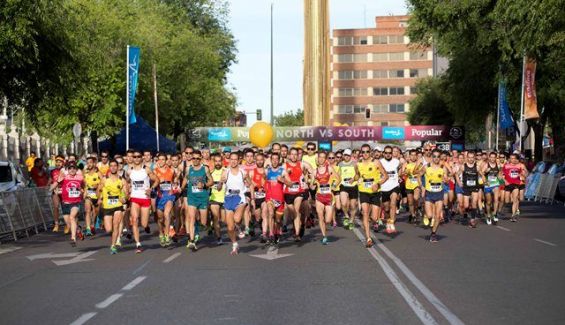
(249, 21)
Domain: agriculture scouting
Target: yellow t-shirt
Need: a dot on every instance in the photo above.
(369, 175)
(112, 192)
(434, 179)
(91, 180)
(311, 160)
(412, 177)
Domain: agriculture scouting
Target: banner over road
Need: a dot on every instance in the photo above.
(338, 133)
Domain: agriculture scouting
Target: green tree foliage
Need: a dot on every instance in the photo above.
(430, 106)
(292, 118)
(485, 42)
(192, 54)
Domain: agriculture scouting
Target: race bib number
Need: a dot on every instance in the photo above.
(74, 193)
(166, 186)
(233, 192)
(138, 185)
(195, 189)
(260, 195)
(492, 180)
(276, 203)
(294, 187)
(514, 174)
(471, 182)
(347, 181)
(413, 180)
(91, 192)
(368, 182)
(113, 200)
(325, 189)
(436, 187)
(392, 175)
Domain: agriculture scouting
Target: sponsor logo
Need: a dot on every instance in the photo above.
(393, 133)
(220, 134)
(456, 132)
(426, 133)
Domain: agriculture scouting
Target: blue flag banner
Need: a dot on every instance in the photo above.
(133, 69)
(505, 117)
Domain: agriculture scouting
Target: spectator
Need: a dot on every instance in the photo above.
(38, 174)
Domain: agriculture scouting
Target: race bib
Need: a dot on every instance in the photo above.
(113, 200)
(276, 203)
(138, 185)
(74, 193)
(413, 180)
(91, 192)
(514, 174)
(165, 186)
(294, 187)
(368, 182)
(260, 195)
(436, 187)
(392, 175)
(325, 189)
(492, 180)
(347, 181)
(233, 192)
(471, 182)
(195, 189)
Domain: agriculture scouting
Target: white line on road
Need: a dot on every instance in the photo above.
(141, 267)
(502, 228)
(172, 257)
(451, 317)
(545, 242)
(109, 300)
(408, 296)
(83, 319)
(134, 283)
(8, 249)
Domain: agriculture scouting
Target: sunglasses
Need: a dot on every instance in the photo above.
(338, 157)
(435, 156)
(426, 150)
(104, 156)
(137, 156)
(311, 149)
(388, 152)
(331, 158)
(366, 151)
(196, 158)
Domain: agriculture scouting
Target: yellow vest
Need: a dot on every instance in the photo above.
(369, 174)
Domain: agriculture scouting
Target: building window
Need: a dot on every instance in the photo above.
(359, 74)
(381, 39)
(396, 73)
(396, 108)
(380, 57)
(413, 91)
(379, 74)
(345, 58)
(360, 57)
(380, 108)
(418, 73)
(345, 40)
(380, 91)
(359, 91)
(396, 91)
(383, 123)
(362, 40)
(397, 56)
(418, 55)
(396, 39)
(350, 92)
(350, 109)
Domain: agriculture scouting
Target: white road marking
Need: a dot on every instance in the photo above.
(5, 250)
(545, 242)
(134, 283)
(51, 255)
(449, 316)
(502, 228)
(424, 316)
(83, 319)
(80, 258)
(172, 257)
(109, 301)
(272, 254)
(141, 267)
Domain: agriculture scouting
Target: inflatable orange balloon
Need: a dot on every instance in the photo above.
(261, 134)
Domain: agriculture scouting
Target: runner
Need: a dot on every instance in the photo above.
(248, 165)
(217, 197)
(197, 182)
(236, 182)
(258, 195)
(348, 190)
(470, 175)
(391, 188)
(322, 183)
(166, 196)
(56, 192)
(112, 200)
(71, 184)
(103, 165)
(92, 178)
(275, 177)
(436, 177)
(492, 171)
(309, 212)
(335, 185)
(502, 197)
(372, 176)
(140, 177)
(412, 173)
(513, 171)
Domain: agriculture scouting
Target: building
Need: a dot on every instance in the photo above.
(374, 73)
(239, 119)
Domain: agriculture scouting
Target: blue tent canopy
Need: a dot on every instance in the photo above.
(141, 136)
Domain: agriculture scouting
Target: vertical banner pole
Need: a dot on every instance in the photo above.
(520, 126)
(498, 117)
(156, 105)
(127, 98)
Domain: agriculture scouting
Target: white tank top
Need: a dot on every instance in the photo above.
(139, 183)
(391, 168)
(235, 184)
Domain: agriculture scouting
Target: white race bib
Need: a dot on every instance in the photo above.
(294, 187)
(368, 183)
(166, 186)
(471, 182)
(325, 189)
(113, 200)
(138, 185)
(514, 174)
(260, 195)
(195, 189)
(436, 187)
(91, 192)
(74, 193)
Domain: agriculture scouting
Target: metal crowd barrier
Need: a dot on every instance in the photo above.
(542, 186)
(25, 210)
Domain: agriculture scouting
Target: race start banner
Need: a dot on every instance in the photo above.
(337, 133)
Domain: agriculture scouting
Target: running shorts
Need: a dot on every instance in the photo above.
(371, 198)
(289, 198)
(163, 199)
(67, 207)
(511, 187)
(110, 212)
(231, 202)
(490, 189)
(277, 204)
(351, 191)
(385, 195)
(467, 191)
(434, 196)
(201, 203)
(325, 199)
(143, 203)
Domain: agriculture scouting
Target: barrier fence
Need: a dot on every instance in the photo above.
(542, 185)
(24, 211)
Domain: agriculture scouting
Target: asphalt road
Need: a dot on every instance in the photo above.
(510, 274)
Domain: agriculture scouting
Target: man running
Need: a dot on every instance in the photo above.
(348, 189)
(470, 183)
(248, 165)
(56, 190)
(141, 177)
(217, 195)
(372, 176)
(412, 173)
(513, 171)
(92, 178)
(258, 195)
(492, 171)
(275, 178)
(166, 196)
(436, 177)
(390, 189)
(112, 200)
(324, 175)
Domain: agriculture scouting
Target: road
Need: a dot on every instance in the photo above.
(510, 274)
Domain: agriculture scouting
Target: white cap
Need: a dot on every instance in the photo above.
(347, 152)
(378, 148)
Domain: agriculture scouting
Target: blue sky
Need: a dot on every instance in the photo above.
(250, 24)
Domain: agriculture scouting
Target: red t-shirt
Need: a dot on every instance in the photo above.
(39, 177)
(70, 189)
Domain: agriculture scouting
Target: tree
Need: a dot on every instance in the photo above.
(430, 107)
(290, 118)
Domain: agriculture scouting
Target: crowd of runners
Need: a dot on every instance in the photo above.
(281, 190)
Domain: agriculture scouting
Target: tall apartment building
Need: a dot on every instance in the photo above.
(374, 69)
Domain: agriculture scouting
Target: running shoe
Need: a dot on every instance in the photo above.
(325, 241)
(97, 224)
(380, 222)
(192, 246)
(80, 235)
(241, 234)
(513, 218)
(302, 230)
(247, 231)
(220, 242)
(263, 238)
(138, 248)
(392, 228)
(426, 221)
(284, 229)
(113, 250)
(172, 232)
(346, 222)
(118, 242)
(495, 219)
(433, 238)
(55, 228)
(88, 232)
(197, 228)
(196, 237)
(147, 230)
(351, 226)
(488, 220)
(518, 212)
(369, 243)
(297, 238)
(162, 240)
(376, 227)
(234, 249)
(67, 230)
(473, 223)
(167, 241)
